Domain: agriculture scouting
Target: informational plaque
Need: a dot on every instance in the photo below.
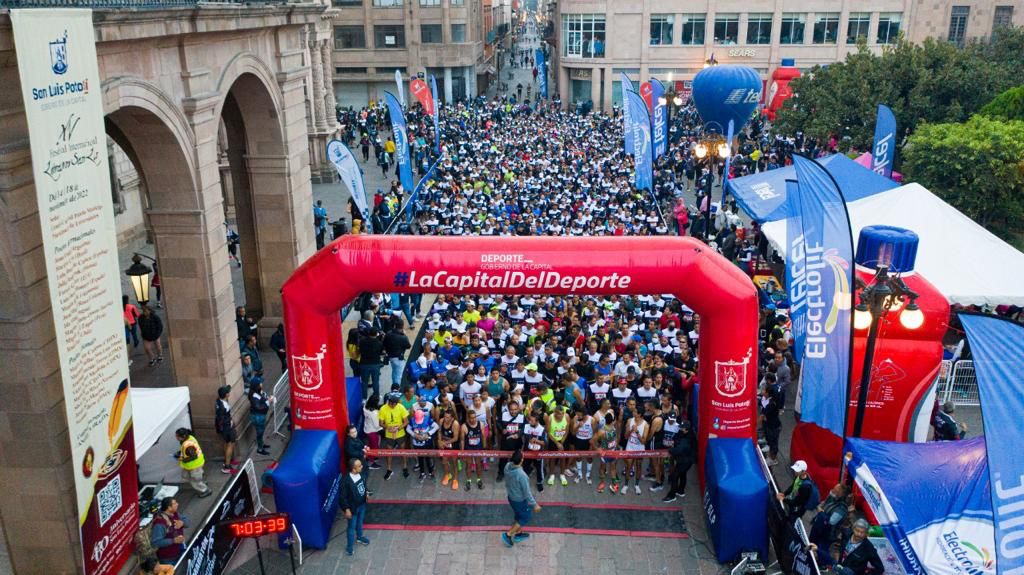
(60, 86)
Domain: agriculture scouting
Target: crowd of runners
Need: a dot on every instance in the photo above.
(586, 377)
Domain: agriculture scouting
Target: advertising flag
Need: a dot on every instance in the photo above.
(728, 160)
(401, 134)
(646, 92)
(627, 129)
(63, 103)
(819, 277)
(410, 208)
(401, 87)
(641, 130)
(933, 502)
(420, 89)
(884, 149)
(542, 71)
(659, 120)
(998, 349)
(437, 114)
(348, 169)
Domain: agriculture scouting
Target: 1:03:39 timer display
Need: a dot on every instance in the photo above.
(257, 526)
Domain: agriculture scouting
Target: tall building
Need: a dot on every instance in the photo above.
(373, 38)
(597, 40)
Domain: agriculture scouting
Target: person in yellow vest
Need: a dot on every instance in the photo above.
(191, 460)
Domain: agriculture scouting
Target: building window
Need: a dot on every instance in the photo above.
(349, 70)
(390, 70)
(1003, 17)
(389, 36)
(430, 2)
(347, 2)
(958, 24)
(727, 28)
(387, 3)
(431, 34)
(458, 33)
(349, 37)
(826, 28)
(457, 2)
(857, 26)
(583, 35)
(661, 29)
(889, 27)
(693, 29)
(792, 29)
(759, 28)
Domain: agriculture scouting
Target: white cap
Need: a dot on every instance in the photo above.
(484, 350)
(531, 321)
(800, 466)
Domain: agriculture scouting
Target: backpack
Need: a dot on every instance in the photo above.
(815, 498)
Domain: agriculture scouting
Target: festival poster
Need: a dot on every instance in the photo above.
(63, 107)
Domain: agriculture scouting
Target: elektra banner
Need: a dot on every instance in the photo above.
(542, 72)
(884, 149)
(60, 83)
(659, 123)
(819, 277)
(627, 130)
(998, 348)
(933, 502)
(401, 135)
(436, 114)
(642, 148)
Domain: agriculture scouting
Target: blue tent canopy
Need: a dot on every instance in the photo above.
(763, 195)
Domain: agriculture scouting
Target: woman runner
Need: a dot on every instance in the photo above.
(449, 437)
(636, 438)
(606, 439)
(583, 432)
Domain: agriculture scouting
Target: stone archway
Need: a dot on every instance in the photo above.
(269, 167)
(188, 234)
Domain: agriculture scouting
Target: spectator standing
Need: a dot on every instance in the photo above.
(371, 347)
(396, 345)
(151, 328)
(131, 317)
(946, 427)
(226, 429)
(278, 345)
(353, 504)
(371, 426)
(770, 422)
(259, 407)
(320, 224)
(796, 498)
(394, 418)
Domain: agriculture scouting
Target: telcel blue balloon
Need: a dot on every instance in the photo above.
(726, 92)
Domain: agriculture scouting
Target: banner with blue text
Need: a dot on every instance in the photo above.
(401, 135)
(998, 349)
(819, 277)
(641, 131)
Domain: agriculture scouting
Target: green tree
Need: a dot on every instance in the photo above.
(929, 82)
(976, 166)
(1007, 106)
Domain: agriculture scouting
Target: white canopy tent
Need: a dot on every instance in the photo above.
(156, 414)
(963, 260)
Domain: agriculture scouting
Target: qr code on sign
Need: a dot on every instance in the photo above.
(109, 499)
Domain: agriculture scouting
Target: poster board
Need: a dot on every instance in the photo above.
(60, 86)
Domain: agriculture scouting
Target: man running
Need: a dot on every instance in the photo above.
(519, 497)
(583, 432)
(472, 439)
(534, 439)
(448, 438)
(558, 432)
(511, 430)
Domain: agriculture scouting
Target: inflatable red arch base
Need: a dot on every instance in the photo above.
(717, 290)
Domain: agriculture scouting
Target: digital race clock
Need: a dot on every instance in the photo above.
(258, 526)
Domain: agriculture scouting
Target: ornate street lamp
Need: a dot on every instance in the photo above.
(140, 275)
(890, 251)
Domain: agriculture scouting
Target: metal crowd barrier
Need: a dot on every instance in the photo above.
(958, 383)
(279, 410)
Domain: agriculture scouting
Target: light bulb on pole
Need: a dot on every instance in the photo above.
(700, 151)
(861, 317)
(912, 317)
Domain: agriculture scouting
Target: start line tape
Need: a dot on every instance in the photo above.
(469, 453)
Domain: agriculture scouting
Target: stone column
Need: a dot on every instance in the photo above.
(316, 63)
(331, 108)
(447, 84)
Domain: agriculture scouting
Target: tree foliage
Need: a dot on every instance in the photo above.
(1007, 106)
(930, 82)
(977, 166)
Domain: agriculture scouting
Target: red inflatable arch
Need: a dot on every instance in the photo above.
(717, 290)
